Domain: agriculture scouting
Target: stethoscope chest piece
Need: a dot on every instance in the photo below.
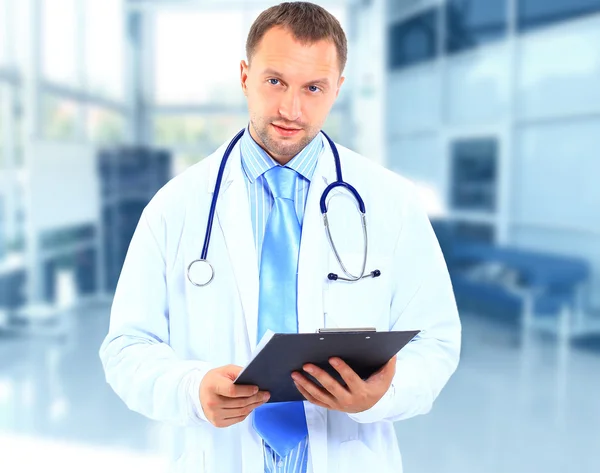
(200, 272)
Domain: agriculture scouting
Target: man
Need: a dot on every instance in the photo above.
(173, 348)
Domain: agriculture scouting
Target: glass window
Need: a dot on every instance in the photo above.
(12, 221)
(414, 40)
(3, 35)
(197, 57)
(204, 133)
(3, 151)
(105, 126)
(537, 13)
(334, 127)
(18, 114)
(59, 118)
(469, 23)
(60, 42)
(104, 52)
(20, 43)
(11, 121)
(185, 159)
(474, 174)
(3, 225)
(18, 242)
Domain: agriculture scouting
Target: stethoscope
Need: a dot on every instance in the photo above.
(200, 272)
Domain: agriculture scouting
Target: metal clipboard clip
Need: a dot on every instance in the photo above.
(338, 330)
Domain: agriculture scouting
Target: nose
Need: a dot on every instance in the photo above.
(290, 107)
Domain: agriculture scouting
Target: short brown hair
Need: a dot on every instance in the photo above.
(307, 22)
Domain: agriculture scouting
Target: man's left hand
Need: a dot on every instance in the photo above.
(356, 396)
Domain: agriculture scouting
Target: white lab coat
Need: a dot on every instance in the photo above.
(166, 333)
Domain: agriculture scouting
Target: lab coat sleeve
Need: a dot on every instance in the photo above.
(423, 299)
(140, 366)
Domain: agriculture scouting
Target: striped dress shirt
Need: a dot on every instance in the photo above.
(255, 162)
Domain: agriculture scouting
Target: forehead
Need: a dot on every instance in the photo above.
(279, 50)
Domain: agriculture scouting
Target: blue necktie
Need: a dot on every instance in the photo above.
(281, 425)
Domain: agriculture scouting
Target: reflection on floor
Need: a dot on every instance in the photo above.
(510, 408)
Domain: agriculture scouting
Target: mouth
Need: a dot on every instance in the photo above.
(284, 131)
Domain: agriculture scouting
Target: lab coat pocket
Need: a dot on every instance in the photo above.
(356, 457)
(190, 462)
(364, 303)
(190, 454)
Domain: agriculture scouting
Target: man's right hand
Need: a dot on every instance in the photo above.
(225, 403)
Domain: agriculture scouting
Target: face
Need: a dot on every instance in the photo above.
(290, 88)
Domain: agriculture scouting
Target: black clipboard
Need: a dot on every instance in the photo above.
(364, 350)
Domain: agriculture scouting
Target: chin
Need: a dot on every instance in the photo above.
(289, 139)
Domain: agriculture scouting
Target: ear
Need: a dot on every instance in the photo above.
(339, 86)
(244, 76)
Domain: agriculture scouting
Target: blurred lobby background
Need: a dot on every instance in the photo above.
(491, 106)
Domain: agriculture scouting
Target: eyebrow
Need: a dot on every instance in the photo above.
(273, 72)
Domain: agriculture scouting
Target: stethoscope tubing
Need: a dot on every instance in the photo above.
(323, 205)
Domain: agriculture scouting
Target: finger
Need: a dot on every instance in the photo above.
(316, 392)
(239, 402)
(310, 398)
(226, 388)
(229, 422)
(352, 380)
(327, 381)
(240, 412)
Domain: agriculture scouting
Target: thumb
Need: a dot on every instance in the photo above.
(384, 371)
(390, 366)
(231, 371)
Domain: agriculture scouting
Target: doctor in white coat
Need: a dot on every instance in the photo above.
(173, 349)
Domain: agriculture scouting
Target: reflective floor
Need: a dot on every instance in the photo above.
(510, 408)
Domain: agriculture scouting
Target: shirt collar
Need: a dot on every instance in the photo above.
(256, 161)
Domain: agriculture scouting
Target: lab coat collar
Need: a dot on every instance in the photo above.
(233, 216)
(215, 163)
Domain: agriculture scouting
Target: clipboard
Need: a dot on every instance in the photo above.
(279, 354)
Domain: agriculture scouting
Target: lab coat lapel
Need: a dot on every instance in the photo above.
(312, 264)
(311, 280)
(233, 214)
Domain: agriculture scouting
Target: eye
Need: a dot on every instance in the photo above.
(313, 88)
(273, 81)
